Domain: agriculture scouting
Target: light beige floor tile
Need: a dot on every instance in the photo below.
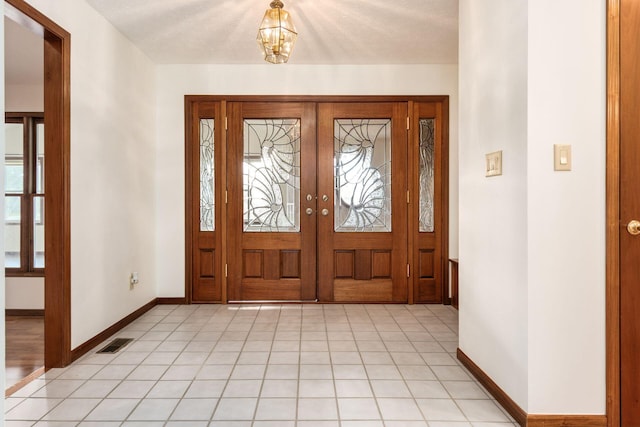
(194, 409)
(276, 409)
(317, 409)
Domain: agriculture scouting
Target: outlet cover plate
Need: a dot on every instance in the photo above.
(494, 164)
(561, 157)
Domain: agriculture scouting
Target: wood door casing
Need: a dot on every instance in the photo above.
(207, 277)
(428, 275)
(271, 265)
(362, 266)
(629, 210)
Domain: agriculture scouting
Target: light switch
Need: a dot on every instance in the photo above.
(493, 164)
(562, 157)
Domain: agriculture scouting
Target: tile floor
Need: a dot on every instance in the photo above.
(269, 366)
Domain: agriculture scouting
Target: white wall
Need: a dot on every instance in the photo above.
(535, 316)
(567, 105)
(112, 169)
(24, 98)
(175, 81)
(493, 211)
(24, 293)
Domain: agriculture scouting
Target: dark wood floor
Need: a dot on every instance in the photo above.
(24, 347)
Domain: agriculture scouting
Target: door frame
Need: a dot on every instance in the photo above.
(190, 100)
(57, 112)
(612, 216)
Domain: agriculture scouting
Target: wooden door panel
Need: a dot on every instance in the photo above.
(204, 168)
(629, 210)
(375, 290)
(367, 262)
(427, 210)
(272, 165)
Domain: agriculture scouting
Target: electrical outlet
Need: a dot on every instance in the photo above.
(133, 279)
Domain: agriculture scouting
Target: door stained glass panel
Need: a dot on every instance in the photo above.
(207, 171)
(427, 156)
(362, 175)
(271, 175)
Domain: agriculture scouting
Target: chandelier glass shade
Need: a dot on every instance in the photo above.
(277, 34)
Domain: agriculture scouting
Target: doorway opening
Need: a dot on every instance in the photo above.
(56, 141)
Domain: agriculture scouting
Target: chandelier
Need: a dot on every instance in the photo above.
(277, 34)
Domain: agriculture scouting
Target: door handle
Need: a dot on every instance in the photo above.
(309, 211)
(325, 212)
(633, 227)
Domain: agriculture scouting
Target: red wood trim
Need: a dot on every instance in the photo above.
(188, 208)
(613, 215)
(221, 236)
(23, 312)
(57, 202)
(87, 346)
(318, 98)
(454, 282)
(23, 382)
(171, 301)
(500, 395)
(444, 221)
(566, 420)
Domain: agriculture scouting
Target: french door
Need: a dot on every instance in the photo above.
(362, 164)
(312, 201)
(272, 185)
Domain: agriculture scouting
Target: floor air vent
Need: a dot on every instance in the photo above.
(115, 345)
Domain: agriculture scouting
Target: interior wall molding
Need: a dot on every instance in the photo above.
(23, 312)
(90, 344)
(519, 414)
(612, 215)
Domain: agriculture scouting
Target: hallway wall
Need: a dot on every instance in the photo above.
(566, 221)
(175, 81)
(112, 171)
(532, 310)
(493, 211)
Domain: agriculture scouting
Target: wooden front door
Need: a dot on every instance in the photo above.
(629, 211)
(328, 199)
(272, 204)
(362, 202)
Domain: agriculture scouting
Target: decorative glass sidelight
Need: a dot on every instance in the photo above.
(362, 175)
(427, 161)
(207, 170)
(271, 175)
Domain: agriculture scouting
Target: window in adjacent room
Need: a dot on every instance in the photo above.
(24, 194)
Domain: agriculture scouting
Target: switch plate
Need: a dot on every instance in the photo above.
(494, 163)
(561, 157)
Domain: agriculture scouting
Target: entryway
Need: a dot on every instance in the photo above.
(316, 199)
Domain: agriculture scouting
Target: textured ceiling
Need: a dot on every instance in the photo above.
(329, 31)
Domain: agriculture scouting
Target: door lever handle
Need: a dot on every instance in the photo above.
(633, 227)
